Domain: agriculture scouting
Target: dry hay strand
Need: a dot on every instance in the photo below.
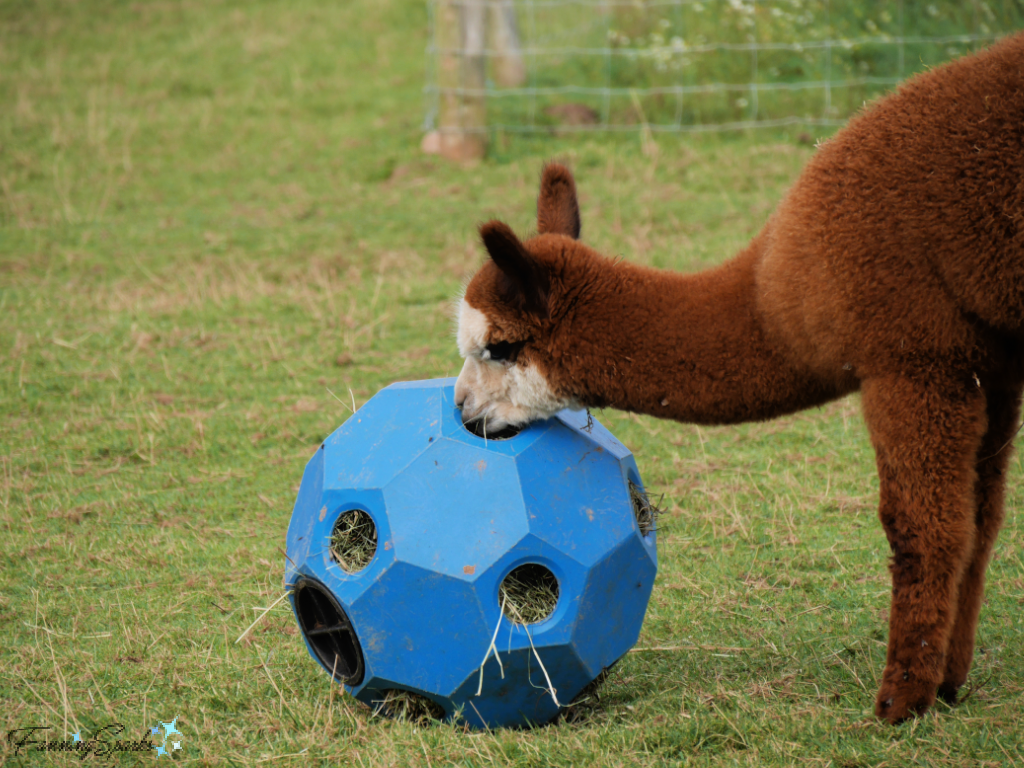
(408, 707)
(644, 509)
(353, 540)
(529, 594)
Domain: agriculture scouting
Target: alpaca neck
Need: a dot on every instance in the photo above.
(692, 348)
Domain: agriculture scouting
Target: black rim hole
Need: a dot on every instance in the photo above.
(329, 632)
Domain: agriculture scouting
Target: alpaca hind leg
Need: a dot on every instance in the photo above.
(994, 455)
(926, 436)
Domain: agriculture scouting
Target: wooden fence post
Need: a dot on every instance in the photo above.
(462, 118)
(509, 69)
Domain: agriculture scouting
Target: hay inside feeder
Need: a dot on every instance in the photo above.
(409, 707)
(529, 594)
(643, 508)
(353, 540)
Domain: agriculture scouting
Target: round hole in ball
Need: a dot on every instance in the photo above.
(353, 540)
(529, 594)
(408, 706)
(643, 509)
(329, 632)
(480, 429)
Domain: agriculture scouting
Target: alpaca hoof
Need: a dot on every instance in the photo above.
(903, 699)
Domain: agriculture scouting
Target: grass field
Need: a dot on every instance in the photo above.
(217, 232)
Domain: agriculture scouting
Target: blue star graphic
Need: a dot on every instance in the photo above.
(170, 729)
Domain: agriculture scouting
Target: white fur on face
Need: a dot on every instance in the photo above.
(499, 393)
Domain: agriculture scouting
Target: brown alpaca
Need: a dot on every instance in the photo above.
(895, 266)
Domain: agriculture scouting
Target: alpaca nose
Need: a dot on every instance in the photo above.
(464, 402)
(466, 406)
(461, 389)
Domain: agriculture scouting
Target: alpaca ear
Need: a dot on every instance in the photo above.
(557, 209)
(526, 283)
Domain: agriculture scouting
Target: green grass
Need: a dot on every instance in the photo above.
(216, 233)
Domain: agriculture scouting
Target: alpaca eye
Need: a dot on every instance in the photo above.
(501, 351)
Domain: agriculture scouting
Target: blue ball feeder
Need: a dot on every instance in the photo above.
(450, 523)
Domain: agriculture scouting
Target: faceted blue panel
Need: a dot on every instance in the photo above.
(419, 629)
(575, 506)
(615, 598)
(456, 509)
(455, 514)
(581, 421)
(382, 437)
(522, 696)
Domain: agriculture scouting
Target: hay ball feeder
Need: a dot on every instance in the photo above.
(439, 574)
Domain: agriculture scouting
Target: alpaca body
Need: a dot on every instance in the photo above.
(904, 236)
(895, 265)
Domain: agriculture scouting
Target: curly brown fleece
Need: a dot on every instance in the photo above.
(895, 266)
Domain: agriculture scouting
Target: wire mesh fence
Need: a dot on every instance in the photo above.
(532, 66)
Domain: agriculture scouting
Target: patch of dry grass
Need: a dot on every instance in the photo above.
(409, 707)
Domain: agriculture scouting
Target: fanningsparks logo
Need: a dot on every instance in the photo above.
(163, 738)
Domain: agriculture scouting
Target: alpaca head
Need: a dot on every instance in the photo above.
(509, 315)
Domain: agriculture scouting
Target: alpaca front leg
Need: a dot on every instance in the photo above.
(1003, 407)
(926, 437)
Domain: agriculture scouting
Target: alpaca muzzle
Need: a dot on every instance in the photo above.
(473, 408)
(476, 418)
(466, 403)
